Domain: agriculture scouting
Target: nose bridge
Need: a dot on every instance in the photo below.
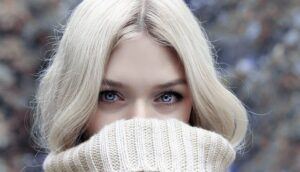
(140, 109)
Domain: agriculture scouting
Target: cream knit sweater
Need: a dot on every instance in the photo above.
(146, 145)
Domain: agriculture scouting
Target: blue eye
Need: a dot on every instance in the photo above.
(108, 96)
(170, 97)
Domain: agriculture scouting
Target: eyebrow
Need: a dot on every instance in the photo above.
(111, 83)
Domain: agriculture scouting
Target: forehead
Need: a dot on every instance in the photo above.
(143, 59)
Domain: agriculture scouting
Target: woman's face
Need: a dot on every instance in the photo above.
(142, 80)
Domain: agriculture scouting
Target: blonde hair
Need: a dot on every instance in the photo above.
(69, 87)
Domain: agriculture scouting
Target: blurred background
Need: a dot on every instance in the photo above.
(257, 47)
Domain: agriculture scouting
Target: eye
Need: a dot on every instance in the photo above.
(170, 97)
(109, 96)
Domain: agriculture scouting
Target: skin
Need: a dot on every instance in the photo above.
(140, 65)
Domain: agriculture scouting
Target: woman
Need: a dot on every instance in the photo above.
(139, 66)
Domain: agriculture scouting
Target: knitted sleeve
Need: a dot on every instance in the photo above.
(146, 145)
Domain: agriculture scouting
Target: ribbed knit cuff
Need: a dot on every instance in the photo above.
(146, 145)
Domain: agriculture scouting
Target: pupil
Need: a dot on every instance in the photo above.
(109, 96)
(166, 97)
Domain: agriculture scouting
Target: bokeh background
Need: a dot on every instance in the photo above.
(257, 47)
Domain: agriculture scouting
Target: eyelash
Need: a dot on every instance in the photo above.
(177, 96)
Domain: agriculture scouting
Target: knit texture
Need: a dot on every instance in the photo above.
(146, 145)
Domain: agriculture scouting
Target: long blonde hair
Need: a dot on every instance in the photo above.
(69, 87)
